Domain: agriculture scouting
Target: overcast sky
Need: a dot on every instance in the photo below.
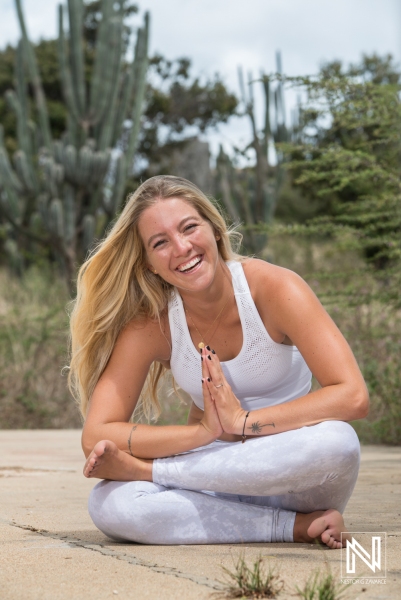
(219, 35)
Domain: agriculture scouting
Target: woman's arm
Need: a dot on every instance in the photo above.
(117, 392)
(293, 311)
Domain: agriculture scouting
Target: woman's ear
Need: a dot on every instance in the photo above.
(152, 269)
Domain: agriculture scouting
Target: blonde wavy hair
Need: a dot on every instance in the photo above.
(115, 286)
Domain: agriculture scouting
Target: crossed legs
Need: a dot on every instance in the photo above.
(292, 486)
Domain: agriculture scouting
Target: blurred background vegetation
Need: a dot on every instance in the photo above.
(81, 126)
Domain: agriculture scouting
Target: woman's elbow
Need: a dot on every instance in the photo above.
(361, 402)
(87, 441)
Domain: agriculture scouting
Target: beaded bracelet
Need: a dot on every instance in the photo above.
(243, 429)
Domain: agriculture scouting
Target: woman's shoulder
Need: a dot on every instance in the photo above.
(271, 280)
(281, 296)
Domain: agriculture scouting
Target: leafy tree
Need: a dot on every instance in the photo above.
(179, 103)
(348, 151)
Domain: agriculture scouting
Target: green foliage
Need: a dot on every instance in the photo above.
(178, 102)
(347, 154)
(33, 342)
(251, 582)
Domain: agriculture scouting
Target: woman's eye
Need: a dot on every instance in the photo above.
(158, 243)
(190, 226)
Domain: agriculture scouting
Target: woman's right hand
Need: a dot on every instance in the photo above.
(210, 420)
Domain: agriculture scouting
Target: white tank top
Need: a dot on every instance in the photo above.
(263, 374)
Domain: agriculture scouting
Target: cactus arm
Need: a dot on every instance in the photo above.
(24, 140)
(56, 218)
(18, 103)
(9, 199)
(119, 184)
(226, 192)
(84, 165)
(280, 91)
(242, 87)
(110, 81)
(140, 88)
(128, 86)
(7, 175)
(65, 72)
(69, 161)
(111, 86)
(267, 128)
(75, 14)
(36, 81)
(100, 58)
(15, 104)
(109, 49)
(73, 131)
(69, 215)
(88, 232)
(261, 160)
(24, 172)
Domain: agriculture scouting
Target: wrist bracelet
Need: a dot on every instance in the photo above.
(243, 429)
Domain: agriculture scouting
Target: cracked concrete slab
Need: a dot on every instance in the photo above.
(50, 550)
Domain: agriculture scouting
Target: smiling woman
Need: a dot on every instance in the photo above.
(164, 283)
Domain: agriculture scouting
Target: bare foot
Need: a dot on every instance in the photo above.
(106, 461)
(324, 525)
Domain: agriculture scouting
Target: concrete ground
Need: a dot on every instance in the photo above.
(50, 549)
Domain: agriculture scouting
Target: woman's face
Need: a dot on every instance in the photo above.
(180, 245)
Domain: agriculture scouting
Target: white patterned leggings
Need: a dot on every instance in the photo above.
(233, 492)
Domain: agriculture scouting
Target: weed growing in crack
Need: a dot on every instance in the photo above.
(321, 587)
(251, 582)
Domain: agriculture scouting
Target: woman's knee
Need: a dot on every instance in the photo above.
(338, 441)
(115, 508)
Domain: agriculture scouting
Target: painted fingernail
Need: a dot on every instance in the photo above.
(201, 357)
(200, 350)
(208, 379)
(203, 380)
(209, 357)
(208, 348)
(213, 352)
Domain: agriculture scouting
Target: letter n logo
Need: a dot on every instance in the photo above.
(372, 560)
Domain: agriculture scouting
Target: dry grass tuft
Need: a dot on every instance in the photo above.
(33, 351)
(322, 587)
(251, 582)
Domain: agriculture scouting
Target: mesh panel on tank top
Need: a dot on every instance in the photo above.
(264, 373)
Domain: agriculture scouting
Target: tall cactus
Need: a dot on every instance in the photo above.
(55, 194)
(251, 197)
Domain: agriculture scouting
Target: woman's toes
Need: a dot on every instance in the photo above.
(325, 537)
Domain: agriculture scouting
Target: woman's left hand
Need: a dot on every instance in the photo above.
(229, 409)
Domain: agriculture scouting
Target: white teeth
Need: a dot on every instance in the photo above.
(190, 264)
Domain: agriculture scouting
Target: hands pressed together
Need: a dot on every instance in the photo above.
(222, 409)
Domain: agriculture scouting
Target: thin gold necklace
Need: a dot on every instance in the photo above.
(202, 342)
